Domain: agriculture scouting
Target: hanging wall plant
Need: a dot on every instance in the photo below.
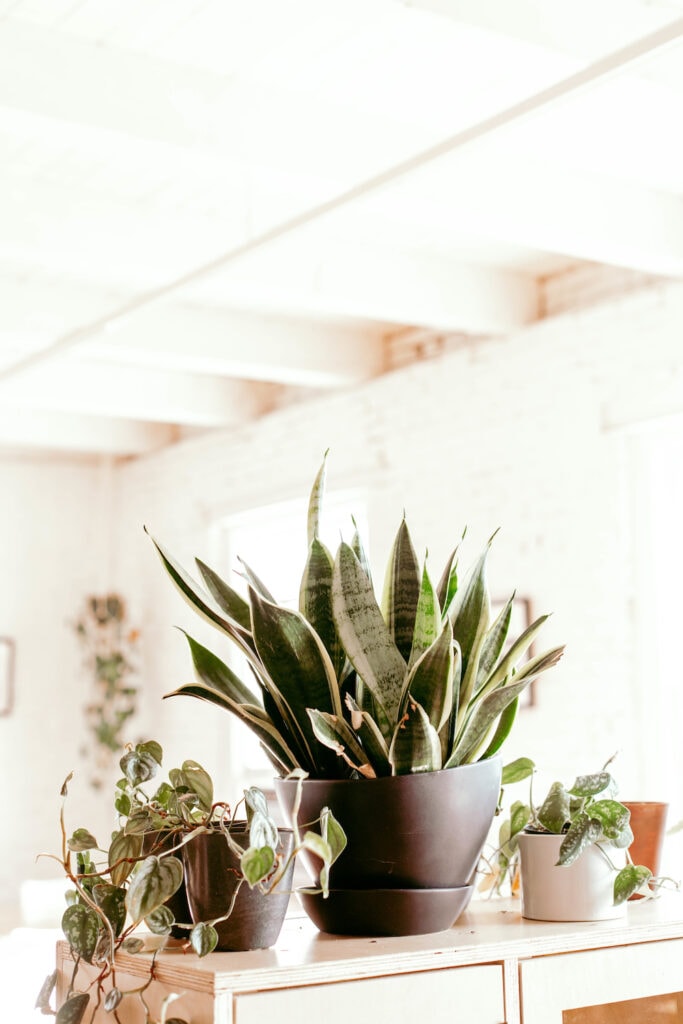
(109, 644)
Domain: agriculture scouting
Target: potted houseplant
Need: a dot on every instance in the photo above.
(174, 852)
(571, 851)
(396, 713)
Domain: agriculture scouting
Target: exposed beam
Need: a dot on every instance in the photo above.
(570, 86)
(31, 428)
(542, 206)
(192, 339)
(155, 396)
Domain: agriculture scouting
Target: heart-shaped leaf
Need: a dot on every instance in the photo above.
(82, 840)
(160, 921)
(204, 939)
(257, 864)
(153, 883)
(122, 848)
(81, 927)
(73, 1010)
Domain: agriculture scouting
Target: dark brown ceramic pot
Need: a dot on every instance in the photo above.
(423, 831)
(212, 873)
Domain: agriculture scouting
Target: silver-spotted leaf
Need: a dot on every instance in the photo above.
(73, 1010)
(153, 883)
(81, 927)
(82, 840)
(204, 939)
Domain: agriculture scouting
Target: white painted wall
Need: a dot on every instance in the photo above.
(528, 433)
(53, 538)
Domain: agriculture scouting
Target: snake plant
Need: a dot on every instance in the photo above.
(344, 687)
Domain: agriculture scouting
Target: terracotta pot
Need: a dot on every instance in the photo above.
(212, 873)
(582, 891)
(648, 823)
(423, 831)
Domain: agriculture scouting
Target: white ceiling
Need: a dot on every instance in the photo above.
(211, 207)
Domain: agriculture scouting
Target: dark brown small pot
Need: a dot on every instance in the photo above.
(423, 831)
(212, 873)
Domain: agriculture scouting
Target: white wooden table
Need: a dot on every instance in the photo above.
(492, 967)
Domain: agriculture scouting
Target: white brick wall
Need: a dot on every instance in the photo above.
(510, 433)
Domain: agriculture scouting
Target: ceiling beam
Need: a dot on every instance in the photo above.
(153, 396)
(568, 87)
(545, 207)
(54, 431)
(191, 339)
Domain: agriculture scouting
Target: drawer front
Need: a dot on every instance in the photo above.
(470, 995)
(572, 987)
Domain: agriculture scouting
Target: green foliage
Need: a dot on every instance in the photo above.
(346, 688)
(109, 647)
(584, 814)
(140, 873)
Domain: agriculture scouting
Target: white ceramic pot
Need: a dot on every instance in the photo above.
(582, 891)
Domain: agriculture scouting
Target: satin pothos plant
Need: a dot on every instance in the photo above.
(352, 686)
(134, 880)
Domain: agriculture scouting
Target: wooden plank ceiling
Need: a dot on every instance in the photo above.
(210, 207)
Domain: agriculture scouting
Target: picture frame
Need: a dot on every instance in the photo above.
(520, 619)
(6, 675)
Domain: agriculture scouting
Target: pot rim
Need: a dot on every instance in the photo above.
(410, 779)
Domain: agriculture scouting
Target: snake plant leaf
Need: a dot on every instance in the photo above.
(370, 736)
(232, 603)
(252, 715)
(503, 728)
(493, 645)
(583, 831)
(81, 927)
(366, 638)
(315, 502)
(415, 745)
(401, 591)
(521, 645)
(215, 673)
(536, 666)
(315, 601)
(297, 662)
(468, 611)
(430, 681)
(73, 1010)
(470, 614)
(153, 883)
(199, 599)
(555, 811)
(447, 587)
(630, 879)
(335, 733)
(427, 618)
(255, 583)
(125, 848)
(591, 785)
(481, 721)
(359, 550)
